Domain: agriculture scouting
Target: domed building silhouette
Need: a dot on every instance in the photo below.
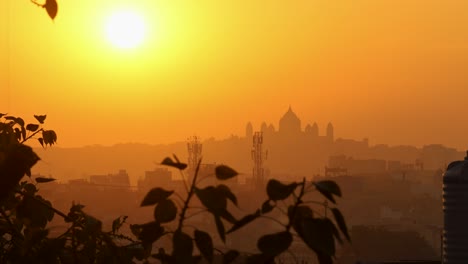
(290, 124)
(290, 131)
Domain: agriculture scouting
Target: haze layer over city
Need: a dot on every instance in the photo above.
(365, 94)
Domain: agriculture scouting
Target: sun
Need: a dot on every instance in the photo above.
(125, 29)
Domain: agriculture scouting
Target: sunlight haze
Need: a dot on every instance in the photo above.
(391, 71)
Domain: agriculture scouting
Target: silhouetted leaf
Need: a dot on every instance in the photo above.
(301, 213)
(317, 234)
(274, 244)
(42, 179)
(204, 243)
(278, 191)
(41, 141)
(335, 231)
(1, 115)
(328, 188)
(226, 191)
(214, 200)
(341, 222)
(23, 132)
(244, 221)
(220, 228)
(226, 215)
(135, 229)
(51, 8)
(150, 232)
(230, 256)
(165, 211)
(182, 247)
(267, 207)
(171, 163)
(32, 127)
(117, 223)
(324, 258)
(49, 136)
(163, 257)
(260, 258)
(19, 121)
(155, 195)
(224, 172)
(40, 118)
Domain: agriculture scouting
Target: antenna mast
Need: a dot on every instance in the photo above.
(258, 156)
(194, 147)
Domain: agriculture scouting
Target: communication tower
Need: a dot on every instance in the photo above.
(258, 156)
(194, 147)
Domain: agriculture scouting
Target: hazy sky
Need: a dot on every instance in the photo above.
(395, 71)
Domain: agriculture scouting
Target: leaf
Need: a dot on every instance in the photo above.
(317, 235)
(171, 163)
(278, 191)
(220, 228)
(301, 213)
(32, 127)
(19, 121)
(43, 180)
(23, 132)
(117, 223)
(341, 222)
(204, 243)
(224, 172)
(40, 118)
(136, 229)
(49, 136)
(244, 221)
(182, 247)
(149, 232)
(324, 258)
(267, 207)
(155, 195)
(260, 258)
(226, 191)
(41, 141)
(51, 8)
(165, 211)
(230, 256)
(274, 244)
(328, 188)
(226, 215)
(335, 231)
(213, 199)
(1, 115)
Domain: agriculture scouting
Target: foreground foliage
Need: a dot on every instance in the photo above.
(25, 235)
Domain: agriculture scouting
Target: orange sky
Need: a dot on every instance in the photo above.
(392, 70)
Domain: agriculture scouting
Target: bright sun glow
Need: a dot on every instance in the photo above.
(125, 29)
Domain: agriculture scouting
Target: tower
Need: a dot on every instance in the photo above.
(330, 132)
(249, 130)
(194, 147)
(258, 156)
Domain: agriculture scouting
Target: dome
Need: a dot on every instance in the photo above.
(290, 122)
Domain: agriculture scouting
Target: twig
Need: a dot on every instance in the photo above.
(189, 196)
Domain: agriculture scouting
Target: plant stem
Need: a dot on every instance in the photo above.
(45, 204)
(189, 196)
(37, 131)
(296, 204)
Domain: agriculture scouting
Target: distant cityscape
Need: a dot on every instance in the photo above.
(387, 189)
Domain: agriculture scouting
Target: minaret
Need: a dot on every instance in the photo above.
(330, 132)
(249, 131)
